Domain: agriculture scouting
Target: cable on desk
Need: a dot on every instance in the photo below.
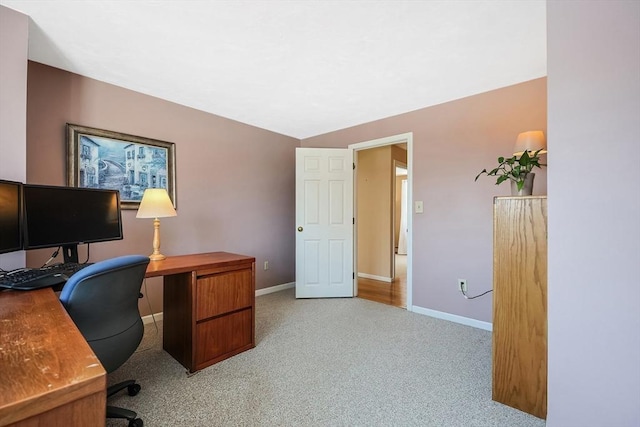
(88, 249)
(53, 255)
(57, 251)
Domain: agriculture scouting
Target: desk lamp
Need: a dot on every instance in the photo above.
(530, 141)
(156, 204)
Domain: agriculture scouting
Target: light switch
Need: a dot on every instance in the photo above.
(419, 207)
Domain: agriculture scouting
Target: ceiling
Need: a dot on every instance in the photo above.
(300, 68)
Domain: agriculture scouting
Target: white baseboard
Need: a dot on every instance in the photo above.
(159, 316)
(416, 309)
(276, 288)
(149, 318)
(453, 318)
(374, 277)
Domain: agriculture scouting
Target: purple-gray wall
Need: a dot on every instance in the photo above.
(452, 142)
(235, 182)
(14, 39)
(594, 213)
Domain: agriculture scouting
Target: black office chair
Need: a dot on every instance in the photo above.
(102, 300)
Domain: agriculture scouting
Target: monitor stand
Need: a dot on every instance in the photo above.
(70, 253)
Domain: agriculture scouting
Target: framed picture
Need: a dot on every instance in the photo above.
(99, 158)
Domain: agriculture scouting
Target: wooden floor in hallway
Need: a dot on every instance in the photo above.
(394, 293)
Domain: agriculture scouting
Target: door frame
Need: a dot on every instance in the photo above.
(403, 165)
(380, 142)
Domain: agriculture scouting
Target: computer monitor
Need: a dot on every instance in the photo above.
(68, 216)
(10, 216)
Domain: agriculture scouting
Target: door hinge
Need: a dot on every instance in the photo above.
(354, 166)
(353, 276)
(354, 220)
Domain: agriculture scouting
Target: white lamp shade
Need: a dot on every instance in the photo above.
(155, 204)
(531, 141)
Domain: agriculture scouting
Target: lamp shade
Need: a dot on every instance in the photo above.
(155, 204)
(531, 141)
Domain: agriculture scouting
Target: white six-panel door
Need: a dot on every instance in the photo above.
(324, 222)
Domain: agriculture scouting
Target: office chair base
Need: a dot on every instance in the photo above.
(115, 412)
(130, 385)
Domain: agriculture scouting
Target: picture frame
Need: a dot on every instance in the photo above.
(103, 159)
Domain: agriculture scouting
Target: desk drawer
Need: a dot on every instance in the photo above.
(223, 337)
(223, 292)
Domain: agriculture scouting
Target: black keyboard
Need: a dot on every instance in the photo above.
(37, 278)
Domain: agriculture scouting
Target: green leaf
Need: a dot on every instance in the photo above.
(502, 179)
(500, 159)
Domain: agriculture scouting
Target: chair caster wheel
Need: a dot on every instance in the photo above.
(133, 389)
(136, 423)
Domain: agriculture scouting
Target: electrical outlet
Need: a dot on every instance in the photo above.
(266, 265)
(462, 285)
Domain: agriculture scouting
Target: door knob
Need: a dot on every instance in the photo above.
(300, 228)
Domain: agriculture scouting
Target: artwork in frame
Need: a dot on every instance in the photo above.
(104, 159)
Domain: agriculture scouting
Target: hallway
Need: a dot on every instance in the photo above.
(394, 293)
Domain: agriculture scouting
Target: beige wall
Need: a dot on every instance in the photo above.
(373, 211)
(375, 177)
(452, 142)
(14, 37)
(235, 183)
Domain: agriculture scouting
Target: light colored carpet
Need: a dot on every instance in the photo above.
(327, 362)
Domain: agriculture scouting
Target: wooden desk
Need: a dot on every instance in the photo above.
(209, 306)
(50, 377)
(48, 374)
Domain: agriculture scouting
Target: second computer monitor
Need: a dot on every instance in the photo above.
(67, 216)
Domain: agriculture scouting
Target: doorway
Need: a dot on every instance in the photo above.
(382, 275)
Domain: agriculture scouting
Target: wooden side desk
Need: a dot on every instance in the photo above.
(208, 305)
(48, 374)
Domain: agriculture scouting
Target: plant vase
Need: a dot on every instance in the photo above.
(527, 188)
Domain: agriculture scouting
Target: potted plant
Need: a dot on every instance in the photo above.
(518, 171)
